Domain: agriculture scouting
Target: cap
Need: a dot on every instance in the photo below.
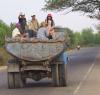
(21, 13)
(49, 15)
(33, 16)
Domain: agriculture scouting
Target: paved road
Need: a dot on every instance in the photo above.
(83, 77)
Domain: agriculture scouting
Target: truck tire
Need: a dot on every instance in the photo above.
(24, 81)
(18, 80)
(14, 77)
(10, 80)
(62, 74)
(10, 75)
(55, 75)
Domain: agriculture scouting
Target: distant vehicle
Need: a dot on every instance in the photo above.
(36, 59)
(78, 47)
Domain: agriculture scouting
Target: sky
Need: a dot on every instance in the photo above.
(10, 9)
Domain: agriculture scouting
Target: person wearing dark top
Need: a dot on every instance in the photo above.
(22, 21)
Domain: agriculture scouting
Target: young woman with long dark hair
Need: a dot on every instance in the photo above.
(50, 26)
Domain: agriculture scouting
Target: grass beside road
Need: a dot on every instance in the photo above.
(4, 56)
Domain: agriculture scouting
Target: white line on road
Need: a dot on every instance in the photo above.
(85, 77)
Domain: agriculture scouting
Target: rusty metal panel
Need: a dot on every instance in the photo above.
(13, 68)
(36, 50)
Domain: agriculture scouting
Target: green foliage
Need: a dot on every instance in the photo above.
(84, 38)
(97, 38)
(4, 30)
(12, 26)
(87, 36)
(87, 6)
(77, 38)
(4, 56)
(71, 36)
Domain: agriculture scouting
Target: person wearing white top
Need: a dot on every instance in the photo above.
(15, 32)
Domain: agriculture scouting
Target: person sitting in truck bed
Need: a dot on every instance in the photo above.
(50, 26)
(42, 33)
(17, 32)
(33, 26)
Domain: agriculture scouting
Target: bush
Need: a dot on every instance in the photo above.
(4, 56)
(1, 59)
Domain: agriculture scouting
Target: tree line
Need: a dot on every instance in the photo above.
(84, 38)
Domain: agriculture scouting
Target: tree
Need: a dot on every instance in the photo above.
(87, 6)
(4, 30)
(87, 36)
(12, 26)
(97, 38)
(77, 38)
(71, 36)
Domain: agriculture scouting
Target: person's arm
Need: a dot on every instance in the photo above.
(38, 24)
(29, 25)
(53, 24)
(46, 23)
(46, 32)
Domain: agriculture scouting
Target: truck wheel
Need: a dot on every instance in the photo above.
(63, 74)
(55, 75)
(10, 80)
(18, 80)
(24, 81)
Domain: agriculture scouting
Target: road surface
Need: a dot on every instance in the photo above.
(83, 77)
